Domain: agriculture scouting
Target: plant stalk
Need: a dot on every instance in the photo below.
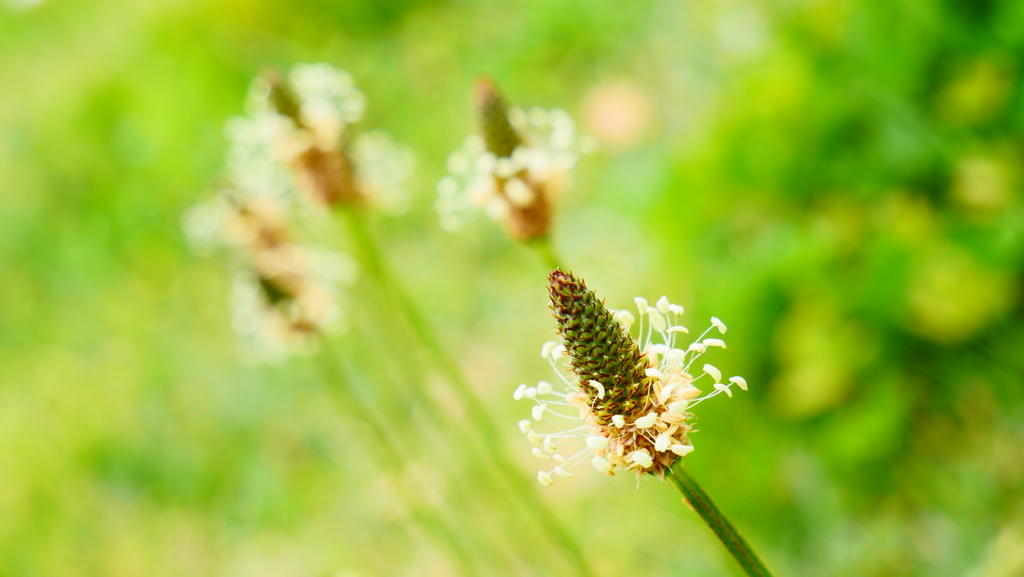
(375, 264)
(705, 507)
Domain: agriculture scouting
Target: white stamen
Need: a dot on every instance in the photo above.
(561, 459)
(647, 421)
(601, 465)
(657, 320)
(519, 393)
(641, 458)
(624, 318)
(619, 421)
(559, 351)
(663, 305)
(543, 388)
(681, 450)
(538, 411)
(718, 324)
(676, 309)
(678, 407)
(563, 473)
(597, 442)
(662, 443)
(714, 343)
(534, 438)
(545, 351)
(539, 454)
(654, 373)
(549, 445)
(724, 388)
(641, 304)
(599, 387)
(700, 348)
(544, 478)
(714, 372)
(678, 329)
(525, 425)
(530, 392)
(740, 381)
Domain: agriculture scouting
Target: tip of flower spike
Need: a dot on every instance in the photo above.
(500, 137)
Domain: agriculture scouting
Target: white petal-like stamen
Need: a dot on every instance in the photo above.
(698, 347)
(663, 305)
(641, 305)
(601, 465)
(544, 478)
(678, 329)
(563, 473)
(624, 318)
(530, 392)
(519, 393)
(549, 445)
(654, 373)
(544, 388)
(525, 425)
(714, 343)
(724, 388)
(714, 372)
(676, 309)
(681, 450)
(597, 442)
(545, 351)
(561, 459)
(740, 381)
(539, 454)
(641, 458)
(599, 387)
(718, 324)
(647, 421)
(538, 411)
(662, 443)
(619, 421)
(534, 438)
(677, 407)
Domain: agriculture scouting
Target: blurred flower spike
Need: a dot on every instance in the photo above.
(621, 404)
(513, 170)
(285, 294)
(298, 135)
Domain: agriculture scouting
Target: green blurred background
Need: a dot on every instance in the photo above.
(839, 181)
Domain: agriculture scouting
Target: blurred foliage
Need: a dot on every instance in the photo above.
(839, 181)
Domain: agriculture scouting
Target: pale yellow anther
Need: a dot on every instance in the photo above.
(652, 372)
(601, 465)
(714, 343)
(538, 411)
(663, 305)
(539, 454)
(544, 478)
(678, 407)
(713, 372)
(641, 305)
(676, 309)
(599, 387)
(718, 324)
(739, 381)
(647, 421)
(544, 388)
(619, 421)
(662, 443)
(641, 458)
(698, 347)
(563, 473)
(546, 350)
(678, 329)
(597, 442)
(681, 450)
(525, 425)
(534, 438)
(724, 388)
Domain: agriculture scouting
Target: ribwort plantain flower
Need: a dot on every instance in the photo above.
(298, 135)
(514, 170)
(285, 294)
(622, 403)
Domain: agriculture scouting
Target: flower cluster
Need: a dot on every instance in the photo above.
(298, 135)
(622, 404)
(285, 293)
(514, 170)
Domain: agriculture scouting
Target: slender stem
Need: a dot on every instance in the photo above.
(375, 264)
(350, 401)
(547, 252)
(705, 507)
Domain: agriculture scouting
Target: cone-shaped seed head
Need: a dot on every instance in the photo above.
(600, 349)
(492, 113)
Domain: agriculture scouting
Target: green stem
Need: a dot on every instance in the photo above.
(547, 252)
(349, 401)
(705, 507)
(377, 267)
